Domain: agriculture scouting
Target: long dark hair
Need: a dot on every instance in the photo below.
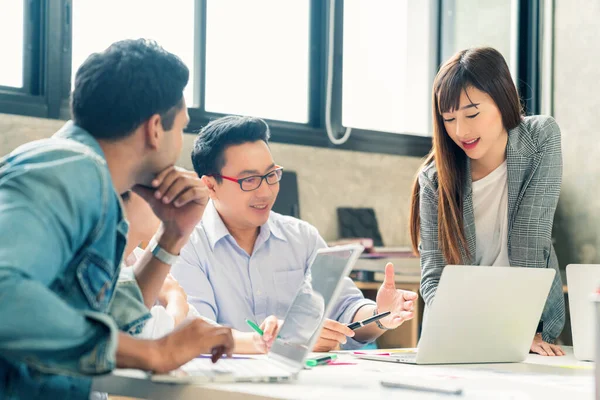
(485, 69)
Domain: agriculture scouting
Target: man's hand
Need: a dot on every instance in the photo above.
(192, 339)
(540, 347)
(332, 336)
(270, 327)
(174, 299)
(175, 349)
(178, 198)
(400, 302)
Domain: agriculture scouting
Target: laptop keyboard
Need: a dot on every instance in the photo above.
(406, 358)
(238, 368)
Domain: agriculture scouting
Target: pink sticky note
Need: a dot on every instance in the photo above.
(372, 354)
(333, 362)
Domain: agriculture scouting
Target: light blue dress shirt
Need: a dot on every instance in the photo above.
(227, 285)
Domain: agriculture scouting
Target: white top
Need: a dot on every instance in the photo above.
(490, 204)
(161, 322)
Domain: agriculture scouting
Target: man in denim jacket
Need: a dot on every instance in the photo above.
(63, 230)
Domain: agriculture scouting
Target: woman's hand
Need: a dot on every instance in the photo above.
(544, 348)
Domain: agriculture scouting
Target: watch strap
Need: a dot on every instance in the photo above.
(162, 255)
(378, 322)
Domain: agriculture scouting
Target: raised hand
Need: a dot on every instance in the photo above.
(399, 302)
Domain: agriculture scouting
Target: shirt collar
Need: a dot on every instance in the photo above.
(74, 132)
(213, 225)
(216, 230)
(274, 228)
(268, 229)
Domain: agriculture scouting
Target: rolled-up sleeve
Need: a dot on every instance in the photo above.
(350, 299)
(127, 307)
(41, 330)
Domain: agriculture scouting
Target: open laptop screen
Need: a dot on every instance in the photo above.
(313, 301)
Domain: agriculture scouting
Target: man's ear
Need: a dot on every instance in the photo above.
(153, 131)
(211, 184)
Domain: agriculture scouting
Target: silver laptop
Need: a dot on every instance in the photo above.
(583, 281)
(298, 334)
(480, 315)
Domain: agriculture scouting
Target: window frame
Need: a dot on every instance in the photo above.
(47, 75)
(527, 48)
(46, 56)
(313, 132)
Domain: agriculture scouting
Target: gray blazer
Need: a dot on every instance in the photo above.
(534, 168)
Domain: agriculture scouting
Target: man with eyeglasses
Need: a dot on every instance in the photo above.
(244, 261)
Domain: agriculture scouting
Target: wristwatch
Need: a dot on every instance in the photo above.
(375, 312)
(162, 255)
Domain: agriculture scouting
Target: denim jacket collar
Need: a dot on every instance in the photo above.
(74, 132)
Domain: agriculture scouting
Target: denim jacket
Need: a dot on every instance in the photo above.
(62, 236)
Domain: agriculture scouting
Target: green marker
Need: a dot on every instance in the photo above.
(313, 362)
(256, 328)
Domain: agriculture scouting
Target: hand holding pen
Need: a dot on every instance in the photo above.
(360, 324)
(332, 335)
(266, 332)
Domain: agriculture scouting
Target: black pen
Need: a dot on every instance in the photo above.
(434, 387)
(358, 324)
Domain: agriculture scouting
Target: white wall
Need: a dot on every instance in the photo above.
(576, 108)
(326, 178)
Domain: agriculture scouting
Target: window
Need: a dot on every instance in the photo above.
(97, 24)
(257, 58)
(387, 65)
(12, 32)
(470, 23)
(513, 27)
(269, 58)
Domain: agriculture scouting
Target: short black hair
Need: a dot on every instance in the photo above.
(120, 88)
(214, 138)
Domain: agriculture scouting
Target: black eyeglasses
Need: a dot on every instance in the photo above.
(253, 182)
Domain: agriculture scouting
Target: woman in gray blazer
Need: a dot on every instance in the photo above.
(487, 192)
